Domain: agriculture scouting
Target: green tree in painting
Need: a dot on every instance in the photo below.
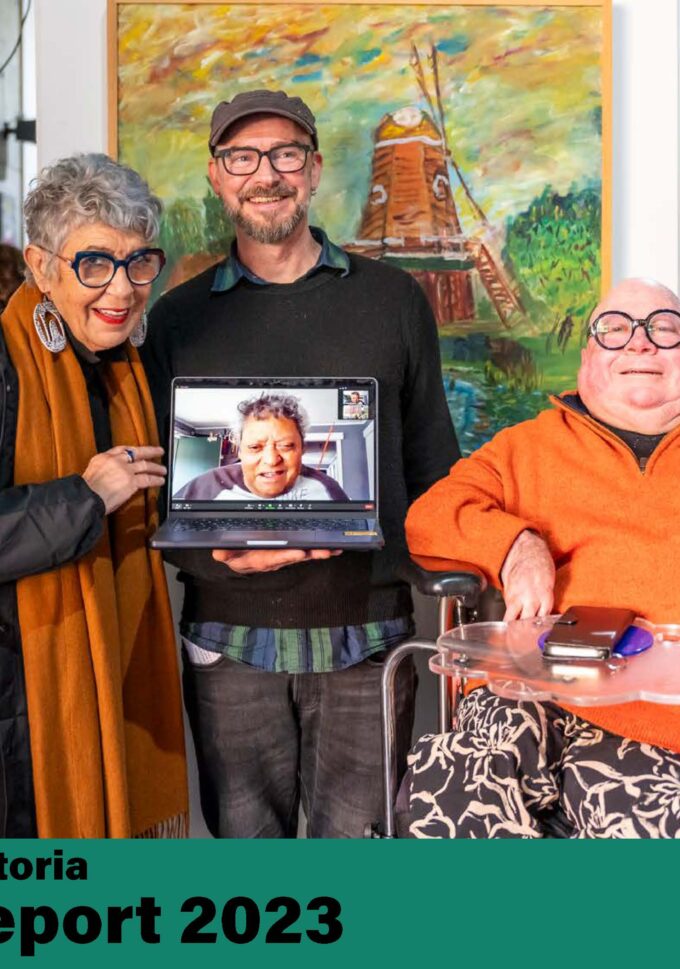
(219, 232)
(554, 248)
(182, 229)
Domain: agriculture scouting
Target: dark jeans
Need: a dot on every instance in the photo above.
(263, 740)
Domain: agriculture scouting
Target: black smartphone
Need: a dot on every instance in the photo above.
(587, 632)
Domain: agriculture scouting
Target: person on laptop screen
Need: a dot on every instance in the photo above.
(270, 441)
(356, 409)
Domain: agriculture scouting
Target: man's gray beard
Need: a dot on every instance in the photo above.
(264, 232)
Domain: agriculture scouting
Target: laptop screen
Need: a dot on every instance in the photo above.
(274, 446)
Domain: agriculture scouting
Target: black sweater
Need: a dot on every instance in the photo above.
(374, 322)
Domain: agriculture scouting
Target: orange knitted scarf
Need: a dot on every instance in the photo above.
(98, 642)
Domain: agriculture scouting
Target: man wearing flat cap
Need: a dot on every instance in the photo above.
(283, 650)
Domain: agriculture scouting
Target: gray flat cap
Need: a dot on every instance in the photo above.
(261, 102)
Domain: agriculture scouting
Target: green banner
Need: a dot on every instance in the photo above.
(351, 904)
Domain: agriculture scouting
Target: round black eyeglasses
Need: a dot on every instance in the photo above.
(614, 330)
(96, 269)
(284, 159)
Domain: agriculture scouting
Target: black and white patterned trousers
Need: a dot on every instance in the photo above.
(531, 770)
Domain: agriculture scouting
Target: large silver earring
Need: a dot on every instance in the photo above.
(49, 326)
(138, 335)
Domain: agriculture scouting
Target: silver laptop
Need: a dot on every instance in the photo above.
(273, 463)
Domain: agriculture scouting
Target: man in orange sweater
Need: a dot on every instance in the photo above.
(573, 507)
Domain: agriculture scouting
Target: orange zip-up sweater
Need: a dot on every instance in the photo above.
(611, 528)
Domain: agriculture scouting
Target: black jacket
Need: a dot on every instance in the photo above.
(42, 526)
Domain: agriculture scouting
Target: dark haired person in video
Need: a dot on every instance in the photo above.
(270, 441)
(11, 272)
(356, 409)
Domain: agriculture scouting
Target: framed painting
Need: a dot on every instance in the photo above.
(468, 143)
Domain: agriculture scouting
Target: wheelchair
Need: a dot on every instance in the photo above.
(458, 589)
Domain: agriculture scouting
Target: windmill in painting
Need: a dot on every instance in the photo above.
(410, 215)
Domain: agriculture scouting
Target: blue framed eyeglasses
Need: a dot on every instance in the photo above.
(96, 269)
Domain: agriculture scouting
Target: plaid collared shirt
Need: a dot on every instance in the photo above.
(232, 271)
(298, 650)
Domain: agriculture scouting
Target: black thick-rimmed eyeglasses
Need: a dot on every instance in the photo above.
(614, 329)
(284, 159)
(96, 269)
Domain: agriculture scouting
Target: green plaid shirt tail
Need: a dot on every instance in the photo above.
(299, 650)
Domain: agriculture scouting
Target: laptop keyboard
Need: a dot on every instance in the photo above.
(271, 524)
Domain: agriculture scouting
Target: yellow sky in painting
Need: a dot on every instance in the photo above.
(520, 85)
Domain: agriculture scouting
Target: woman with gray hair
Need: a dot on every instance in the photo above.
(91, 740)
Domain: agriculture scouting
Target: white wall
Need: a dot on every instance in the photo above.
(70, 38)
(10, 108)
(645, 129)
(28, 93)
(72, 105)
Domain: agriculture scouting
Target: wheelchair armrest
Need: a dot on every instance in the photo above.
(441, 577)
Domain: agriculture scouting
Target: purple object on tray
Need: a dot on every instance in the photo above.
(635, 640)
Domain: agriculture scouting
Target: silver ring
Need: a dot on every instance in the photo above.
(130, 455)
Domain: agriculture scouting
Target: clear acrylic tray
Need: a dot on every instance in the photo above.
(507, 656)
